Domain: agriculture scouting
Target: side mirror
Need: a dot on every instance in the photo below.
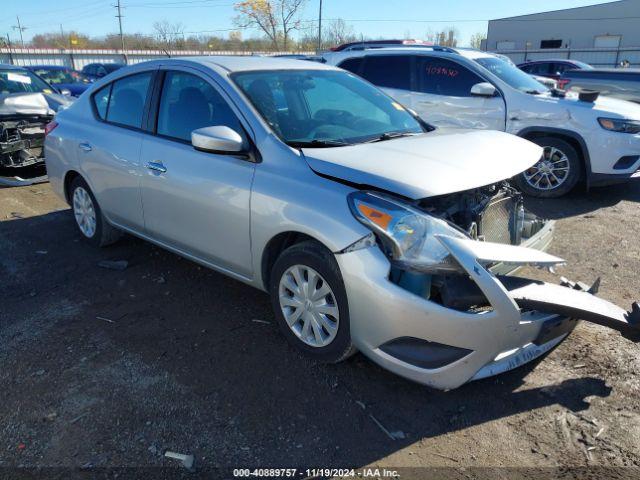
(483, 89)
(218, 139)
(66, 92)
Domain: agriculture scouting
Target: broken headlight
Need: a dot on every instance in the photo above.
(407, 234)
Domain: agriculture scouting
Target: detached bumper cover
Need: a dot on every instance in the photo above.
(21, 182)
(527, 319)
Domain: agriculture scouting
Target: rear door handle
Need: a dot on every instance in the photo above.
(157, 166)
(85, 146)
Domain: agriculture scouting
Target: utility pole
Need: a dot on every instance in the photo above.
(119, 16)
(320, 28)
(21, 29)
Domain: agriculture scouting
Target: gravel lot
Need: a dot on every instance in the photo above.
(103, 368)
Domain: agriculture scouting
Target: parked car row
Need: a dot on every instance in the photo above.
(371, 223)
(623, 83)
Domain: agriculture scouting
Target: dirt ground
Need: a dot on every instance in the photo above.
(102, 368)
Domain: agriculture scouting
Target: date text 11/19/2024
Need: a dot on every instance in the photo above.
(315, 472)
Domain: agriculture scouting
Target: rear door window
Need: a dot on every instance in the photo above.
(542, 69)
(559, 68)
(440, 76)
(188, 102)
(390, 71)
(127, 100)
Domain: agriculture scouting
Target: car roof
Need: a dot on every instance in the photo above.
(452, 52)
(239, 63)
(554, 60)
(50, 67)
(7, 66)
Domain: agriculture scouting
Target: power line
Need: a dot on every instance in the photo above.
(178, 4)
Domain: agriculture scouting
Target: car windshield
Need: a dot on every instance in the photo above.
(21, 81)
(56, 76)
(512, 75)
(320, 108)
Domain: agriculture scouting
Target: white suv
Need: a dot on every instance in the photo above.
(596, 141)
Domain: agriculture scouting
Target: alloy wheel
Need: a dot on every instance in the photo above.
(84, 212)
(551, 171)
(309, 305)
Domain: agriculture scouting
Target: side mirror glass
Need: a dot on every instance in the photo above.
(483, 89)
(218, 139)
(65, 91)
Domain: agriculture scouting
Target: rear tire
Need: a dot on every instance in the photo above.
(93, 226)
(299, 272)
(557, 172)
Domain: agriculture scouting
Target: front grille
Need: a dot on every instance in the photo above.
(498, 220)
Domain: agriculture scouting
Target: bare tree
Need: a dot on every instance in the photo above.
(447, 37)
(169, 34)
(338, 32)
(476, 40)
(276, 18)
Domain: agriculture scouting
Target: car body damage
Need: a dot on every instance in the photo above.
(443, 162)
(23, 118)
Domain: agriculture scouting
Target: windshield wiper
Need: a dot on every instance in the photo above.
(391, 136)
(318, 144)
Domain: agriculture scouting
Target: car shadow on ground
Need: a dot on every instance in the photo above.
(175, 355)
(581, 202)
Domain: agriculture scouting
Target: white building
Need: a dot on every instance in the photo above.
(609, 25)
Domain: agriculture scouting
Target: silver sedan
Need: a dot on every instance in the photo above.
(370, 229)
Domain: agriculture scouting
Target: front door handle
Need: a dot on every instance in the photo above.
(85, 146)
(156, 166)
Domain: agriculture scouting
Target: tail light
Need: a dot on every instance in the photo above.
(563, 82)
(49, 127)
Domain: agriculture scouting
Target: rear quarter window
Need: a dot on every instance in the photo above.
(101, 101)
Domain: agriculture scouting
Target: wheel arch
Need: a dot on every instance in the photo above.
(574, 139)
(69, 177)
(278, 244)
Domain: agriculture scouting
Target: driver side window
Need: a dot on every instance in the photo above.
(439, 76)
(187, 103)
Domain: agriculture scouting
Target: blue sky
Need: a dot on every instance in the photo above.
(373, 18)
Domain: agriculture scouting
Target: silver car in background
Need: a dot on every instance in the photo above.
(370, 229)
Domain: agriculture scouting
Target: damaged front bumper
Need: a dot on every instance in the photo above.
(443, 347)
(23, 118)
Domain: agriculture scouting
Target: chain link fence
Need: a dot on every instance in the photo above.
(79, 58)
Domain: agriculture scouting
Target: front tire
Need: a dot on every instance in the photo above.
(310, 302)
(556, 173)
(94, 228)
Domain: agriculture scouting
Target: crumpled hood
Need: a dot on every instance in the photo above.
(32, 103)
(435, 163)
